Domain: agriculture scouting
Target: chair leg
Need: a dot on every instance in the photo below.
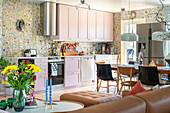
(99, 85)
(117, 86)
(107, 86)
(120, 89)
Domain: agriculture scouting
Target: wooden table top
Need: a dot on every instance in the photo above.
(161, 70)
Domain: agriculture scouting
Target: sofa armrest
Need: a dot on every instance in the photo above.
(125, 92)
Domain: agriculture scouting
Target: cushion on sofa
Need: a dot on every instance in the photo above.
(157, 101)
(138, 88)
(89, 98)
(129, 104)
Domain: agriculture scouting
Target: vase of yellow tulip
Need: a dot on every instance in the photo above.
(20, 78)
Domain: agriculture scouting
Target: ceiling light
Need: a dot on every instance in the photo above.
(130, 36)
(83, 3)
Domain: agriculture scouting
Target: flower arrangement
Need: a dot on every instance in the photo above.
(21, 77)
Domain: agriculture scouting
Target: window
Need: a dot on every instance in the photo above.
(130, 47)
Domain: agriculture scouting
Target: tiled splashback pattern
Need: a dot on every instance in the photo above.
(89, 47)
(148, 14)
(13, 41)
(1, 2)
(117, 31)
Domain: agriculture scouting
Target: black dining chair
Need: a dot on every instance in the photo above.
(104, 73)
(148, 75)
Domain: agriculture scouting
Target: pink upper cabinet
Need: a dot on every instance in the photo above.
(73, 23)
(63, 22)
(91, 25)
(83, 24)
(100, 26)
(108, 26)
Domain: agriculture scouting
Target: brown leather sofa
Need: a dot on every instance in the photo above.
(157, 101)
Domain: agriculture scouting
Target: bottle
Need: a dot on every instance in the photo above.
(61, 54)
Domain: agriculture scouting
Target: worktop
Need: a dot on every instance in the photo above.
(73, 56)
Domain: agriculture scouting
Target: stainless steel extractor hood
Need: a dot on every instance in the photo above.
(49, 18)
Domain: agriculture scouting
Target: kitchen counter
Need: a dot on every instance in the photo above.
(73, 56)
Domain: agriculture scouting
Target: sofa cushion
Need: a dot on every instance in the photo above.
(129, 104)
(89, 98)
(157, 101)
(138, 88)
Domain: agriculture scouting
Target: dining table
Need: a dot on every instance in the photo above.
(161, 70)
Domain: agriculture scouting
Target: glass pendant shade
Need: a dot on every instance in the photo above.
(129, 37)
(160, 36)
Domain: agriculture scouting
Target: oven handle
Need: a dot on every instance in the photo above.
(58, 62)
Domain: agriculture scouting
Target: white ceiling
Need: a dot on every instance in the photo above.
(113, 5)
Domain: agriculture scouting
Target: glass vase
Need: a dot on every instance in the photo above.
(19, 97)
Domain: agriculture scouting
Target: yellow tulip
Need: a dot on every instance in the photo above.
(32, 83)
(9, 73)
(4, 82)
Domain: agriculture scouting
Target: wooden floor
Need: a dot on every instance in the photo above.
(58, 90)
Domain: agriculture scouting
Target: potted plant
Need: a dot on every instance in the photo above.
(20, 78)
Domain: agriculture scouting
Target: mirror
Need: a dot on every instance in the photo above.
(20, 24)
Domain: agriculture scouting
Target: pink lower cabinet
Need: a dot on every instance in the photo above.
(40, 84)
(41, 76)
(71, 71)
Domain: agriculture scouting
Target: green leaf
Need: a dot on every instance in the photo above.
(7, 86)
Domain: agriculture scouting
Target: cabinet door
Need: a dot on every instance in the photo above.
(73, 23)
(91, 25)
(100, 26)
(71, 79)
(40, 84)
(71, 72)
(72, 65)
(83, 24)
(63, 22)
(108, 26)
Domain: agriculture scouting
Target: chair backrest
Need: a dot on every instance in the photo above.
(126, 71)
(148, 75)
(104, 72)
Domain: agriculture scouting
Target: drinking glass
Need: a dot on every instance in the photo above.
(10, 103)
(3, 105)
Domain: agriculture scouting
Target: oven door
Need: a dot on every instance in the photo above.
(56, 72)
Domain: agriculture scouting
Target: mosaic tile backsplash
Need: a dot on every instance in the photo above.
(117, 31)
(149, 14)
(15, 42)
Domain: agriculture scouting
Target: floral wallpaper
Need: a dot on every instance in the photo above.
(117, 31)
(15, 42)
(1, 2)
(148, 14)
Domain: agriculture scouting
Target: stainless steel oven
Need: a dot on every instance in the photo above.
(56, 70)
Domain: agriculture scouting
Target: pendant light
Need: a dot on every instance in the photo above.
(82, 2)
(129, 36)
(163, 34)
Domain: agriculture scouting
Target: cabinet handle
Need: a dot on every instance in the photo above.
(78, 78)
(78, 64)
(44, 81)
